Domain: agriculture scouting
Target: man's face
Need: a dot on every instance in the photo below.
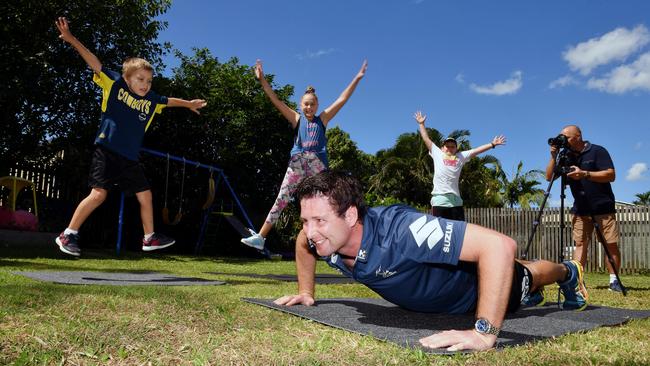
(323, 226)
(139, 81)
(574, 138)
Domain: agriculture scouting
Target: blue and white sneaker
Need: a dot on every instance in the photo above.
(574, 289)
(536, 298)
(255, 240)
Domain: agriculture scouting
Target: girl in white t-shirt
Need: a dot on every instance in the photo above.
(447, 165)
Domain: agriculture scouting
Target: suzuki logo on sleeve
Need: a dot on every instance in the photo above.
(429, 231)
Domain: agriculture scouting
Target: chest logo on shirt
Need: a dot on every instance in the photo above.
(450, 160)
(385, 273)
(140, 105)
(429, 231)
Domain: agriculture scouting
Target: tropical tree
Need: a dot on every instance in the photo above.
(522, 188)
(403, 173)
(479, 182)
(642, 199)
(344, 155)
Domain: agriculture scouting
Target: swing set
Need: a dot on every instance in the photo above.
(208, 206)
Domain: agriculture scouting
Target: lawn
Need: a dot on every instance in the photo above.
(51, 324)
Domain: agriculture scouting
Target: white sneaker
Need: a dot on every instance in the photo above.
(256, 240)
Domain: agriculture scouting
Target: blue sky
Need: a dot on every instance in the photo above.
(523, 69)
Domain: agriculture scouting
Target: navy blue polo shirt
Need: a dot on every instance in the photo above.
(125, 115)
(592, 197)
(411, 259)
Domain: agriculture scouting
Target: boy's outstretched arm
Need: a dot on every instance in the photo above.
(66, 35)
(194, 105)
(332, 110)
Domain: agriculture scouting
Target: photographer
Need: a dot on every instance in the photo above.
(589, 170)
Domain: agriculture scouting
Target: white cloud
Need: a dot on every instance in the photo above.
(460, 78)
(638, 145)
(615, 45)
(314, 54)
(509, 86)
(625, 77)
(562, 82)
(636, 171)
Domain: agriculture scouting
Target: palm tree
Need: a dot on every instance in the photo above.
(643, 199)
(521, 190)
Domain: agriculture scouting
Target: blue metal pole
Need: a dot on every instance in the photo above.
(234, 196)
(120, 221)
(181, 159)
(204, 223)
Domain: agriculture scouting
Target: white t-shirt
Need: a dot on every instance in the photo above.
(447, 170)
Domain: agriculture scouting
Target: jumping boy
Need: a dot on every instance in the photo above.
(128, 107)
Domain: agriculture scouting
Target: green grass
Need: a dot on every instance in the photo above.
(51, 324)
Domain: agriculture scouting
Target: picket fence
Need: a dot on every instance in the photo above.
(550, 242)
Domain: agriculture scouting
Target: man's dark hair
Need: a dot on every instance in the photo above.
(342, 190)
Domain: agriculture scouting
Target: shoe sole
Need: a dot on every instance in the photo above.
(151, 248)
(62, 248)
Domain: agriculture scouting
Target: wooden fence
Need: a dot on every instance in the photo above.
(634, 244)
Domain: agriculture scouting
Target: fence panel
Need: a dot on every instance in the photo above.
(552, 242)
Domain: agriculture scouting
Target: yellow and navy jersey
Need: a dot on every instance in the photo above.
(125, 115)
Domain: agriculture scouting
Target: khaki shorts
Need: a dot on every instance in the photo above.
(583, 228)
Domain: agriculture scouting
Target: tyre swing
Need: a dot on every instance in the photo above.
(165, 210)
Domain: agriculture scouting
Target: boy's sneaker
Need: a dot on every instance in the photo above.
(157, 241)
(68, 244)
(573, 289)
(615, 286)
(255, 240)
(536, 298)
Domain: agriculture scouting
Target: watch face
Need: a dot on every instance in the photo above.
(482, 326)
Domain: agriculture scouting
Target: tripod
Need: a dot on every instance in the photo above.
(561, 168)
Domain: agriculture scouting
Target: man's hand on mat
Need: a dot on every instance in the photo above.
(458, 340)
(305, 299)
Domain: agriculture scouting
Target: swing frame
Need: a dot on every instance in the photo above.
(220, 177)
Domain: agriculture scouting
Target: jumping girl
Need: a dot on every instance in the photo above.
(309, 152)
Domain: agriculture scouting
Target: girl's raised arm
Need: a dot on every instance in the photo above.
(288, 113)
(420, 118)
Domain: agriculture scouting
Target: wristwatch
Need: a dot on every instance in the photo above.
(484, 326)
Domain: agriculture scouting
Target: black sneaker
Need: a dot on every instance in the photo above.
(157, 241)
(615, 286)
(68, 244)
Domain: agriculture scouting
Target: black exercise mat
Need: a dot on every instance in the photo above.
(324, 279)
(383, 320)
(117, 278)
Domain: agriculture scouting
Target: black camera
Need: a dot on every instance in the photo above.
(559, 141)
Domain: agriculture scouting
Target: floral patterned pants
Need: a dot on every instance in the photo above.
(301, 165)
